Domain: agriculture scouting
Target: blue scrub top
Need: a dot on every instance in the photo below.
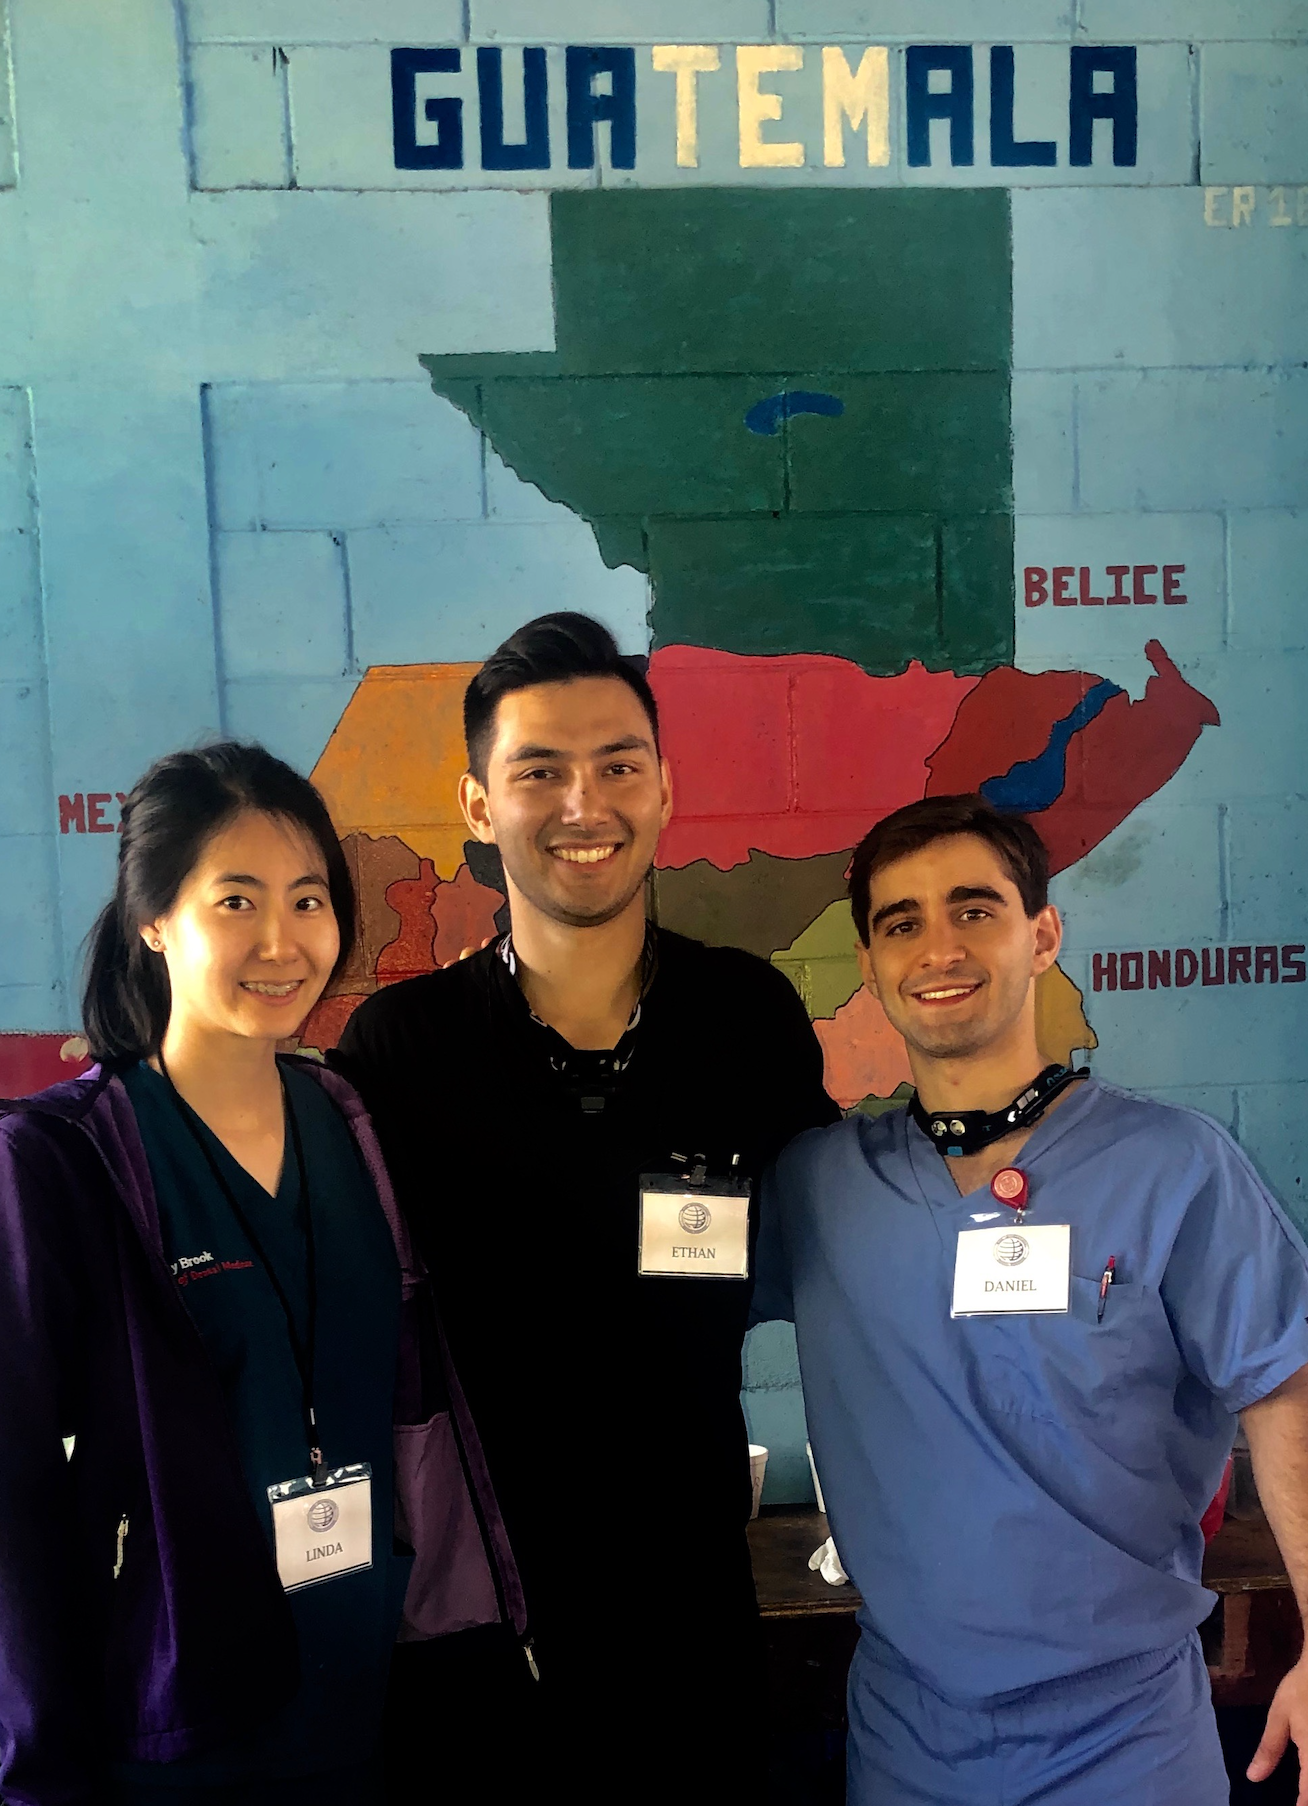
(1018, 1498)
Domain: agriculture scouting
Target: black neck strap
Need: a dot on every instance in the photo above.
(968, 1131)
(593, 1077)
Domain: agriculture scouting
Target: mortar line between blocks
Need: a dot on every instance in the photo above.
(465, 21)
(347, 594)
(188, 92)
(940, 582)
(1226, 582)
(1076, 448)
(1223, 873)
(283, 63)
(211, 521)
(43, 639)
(11, 101)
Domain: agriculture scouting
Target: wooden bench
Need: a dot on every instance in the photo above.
(1251, 1639)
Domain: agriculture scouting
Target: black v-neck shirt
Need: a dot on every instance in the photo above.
(608, 1402)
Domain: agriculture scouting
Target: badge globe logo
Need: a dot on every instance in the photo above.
(322, 1514)
(694, 1217)
(1011, 1250)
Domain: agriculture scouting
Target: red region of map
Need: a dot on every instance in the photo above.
(800, 755)
(438, 920)
(793, 755)
(1127, 752)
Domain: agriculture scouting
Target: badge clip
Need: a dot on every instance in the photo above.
(1010, 1186)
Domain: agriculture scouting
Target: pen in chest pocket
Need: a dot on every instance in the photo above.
(1110, 1272)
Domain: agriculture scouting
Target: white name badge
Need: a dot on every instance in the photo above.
(323, 1531)
(694, 1234)
(1015, 1267)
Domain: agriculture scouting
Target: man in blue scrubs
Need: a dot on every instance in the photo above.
(1029, 1309)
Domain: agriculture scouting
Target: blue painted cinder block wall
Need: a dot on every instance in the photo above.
(226, 488)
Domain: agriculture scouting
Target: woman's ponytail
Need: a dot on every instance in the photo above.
(125, 994)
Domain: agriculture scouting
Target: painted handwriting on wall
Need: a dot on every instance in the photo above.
(1168, 968)
(1240, 206)
(89, 812)
(774, 130)
(1073, 586)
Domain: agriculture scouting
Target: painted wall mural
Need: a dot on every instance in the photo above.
(923, 389)
(832, 610)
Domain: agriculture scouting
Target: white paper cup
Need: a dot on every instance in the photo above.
(758, 1465)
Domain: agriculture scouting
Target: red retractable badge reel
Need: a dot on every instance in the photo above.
(1009, 1186)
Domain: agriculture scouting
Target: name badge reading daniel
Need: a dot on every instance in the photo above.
(997, 1271)
(694, 1234)
(323, 1531)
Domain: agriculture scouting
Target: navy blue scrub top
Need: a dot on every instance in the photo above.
(347, 1626)
(1018, 1498)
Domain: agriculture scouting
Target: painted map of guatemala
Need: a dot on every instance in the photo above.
(791, 409)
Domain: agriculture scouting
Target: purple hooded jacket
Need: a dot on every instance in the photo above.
(141, 1615)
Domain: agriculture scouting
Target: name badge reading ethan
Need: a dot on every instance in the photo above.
(694, 1233)
(1007, 1269)
(323, 1531)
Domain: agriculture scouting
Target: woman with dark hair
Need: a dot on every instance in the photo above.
(234, 1463)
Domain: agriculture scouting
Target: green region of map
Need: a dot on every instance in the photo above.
(696, 332)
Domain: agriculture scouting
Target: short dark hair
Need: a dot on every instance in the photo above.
(553, 649)
(1019, 847)
(167, 819)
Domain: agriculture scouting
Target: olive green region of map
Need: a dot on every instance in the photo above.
(761, 905)
(790, 408)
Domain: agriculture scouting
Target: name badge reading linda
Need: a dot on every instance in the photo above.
(699, 1233)
(323, 1531)
(1010, 1269)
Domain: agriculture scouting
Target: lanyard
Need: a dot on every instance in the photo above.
(302, 1351)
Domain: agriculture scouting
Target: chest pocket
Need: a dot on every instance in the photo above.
(1059, 1367)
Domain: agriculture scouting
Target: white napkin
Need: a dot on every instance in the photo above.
(827, 1562)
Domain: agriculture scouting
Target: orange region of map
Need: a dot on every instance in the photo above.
(394, 762)
(791, 755)
(864, 1056)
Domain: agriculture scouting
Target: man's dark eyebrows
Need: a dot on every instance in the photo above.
(628, 743)
(894, 909)
(976, 893)
(525, 753)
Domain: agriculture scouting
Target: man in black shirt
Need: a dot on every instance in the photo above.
(567, 1115)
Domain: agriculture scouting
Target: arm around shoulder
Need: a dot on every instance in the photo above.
(791, 1059)
(357, 1056)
